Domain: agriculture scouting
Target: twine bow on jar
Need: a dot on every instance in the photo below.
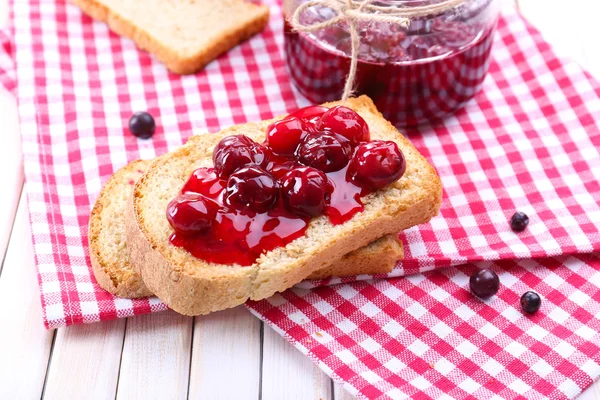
(351, 12)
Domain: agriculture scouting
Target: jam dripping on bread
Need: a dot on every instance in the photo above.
(260, 196)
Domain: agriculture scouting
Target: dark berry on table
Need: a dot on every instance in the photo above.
(306, 191)
(191, 214)
(237, 151)
(142, 125)
(376, 164)
(346, 122)
(326, 151)
(484, 283)
(531, 302)
(519, 221)
(310, 114)
(203, 180)
(284, 136)
(252, 188)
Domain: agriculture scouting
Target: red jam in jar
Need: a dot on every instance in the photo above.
(414, 75)
(260, 196)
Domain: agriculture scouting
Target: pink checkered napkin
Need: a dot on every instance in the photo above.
(426, 336)
(7, 71)
(529, 141)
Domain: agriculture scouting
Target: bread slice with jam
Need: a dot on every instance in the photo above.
(193, 286)
(110, 258)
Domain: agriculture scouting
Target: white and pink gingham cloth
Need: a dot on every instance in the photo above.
(529, 141)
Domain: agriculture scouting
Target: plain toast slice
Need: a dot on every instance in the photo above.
(192, 286)
(106, 235)
(110, 259)
(184, 34)
(378, 257)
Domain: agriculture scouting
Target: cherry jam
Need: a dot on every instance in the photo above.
(258, 197)
(415, 75)
(240, 236)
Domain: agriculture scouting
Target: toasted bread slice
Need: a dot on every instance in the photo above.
(184, 34)
(379, 257)
(110, 261)
(106, 235)
(192, 286)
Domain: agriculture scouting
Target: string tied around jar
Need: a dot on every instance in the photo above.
(351, 12)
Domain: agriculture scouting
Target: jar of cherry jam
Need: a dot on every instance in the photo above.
(415, 74)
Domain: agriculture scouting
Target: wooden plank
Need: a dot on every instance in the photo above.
(589, 31)
(572, 30)
(591, 393)
(226, 348)
(156, 357)
(559, 24)
(339, 393)
(10, 155)
(11, 162)
(24, 342)
(85, 361)
(288, 374)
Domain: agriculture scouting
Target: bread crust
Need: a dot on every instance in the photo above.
(183, 64)
(379, 257)
(114, 274)
(193, 287)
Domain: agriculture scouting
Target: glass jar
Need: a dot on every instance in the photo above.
(414, 75)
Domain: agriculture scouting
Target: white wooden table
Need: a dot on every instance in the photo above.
(230, 354)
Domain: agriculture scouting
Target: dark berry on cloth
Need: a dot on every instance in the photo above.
(519, 221)
(142, 125)
(531, 302)
(484, 283)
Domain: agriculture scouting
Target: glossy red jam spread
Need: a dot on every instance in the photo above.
(260, 196)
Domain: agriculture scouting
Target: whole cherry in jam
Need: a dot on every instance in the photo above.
(346, 122)
(237, 151)
(306, 191)
(191, 214)
(376, 164)
(252, 189)
(284, 136)
(203, 181)
(279, 166)
(310, 114)
(326, 151)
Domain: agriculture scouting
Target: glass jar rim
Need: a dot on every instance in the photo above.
(411, 3)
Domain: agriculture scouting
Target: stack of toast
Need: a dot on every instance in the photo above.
(129, 233)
